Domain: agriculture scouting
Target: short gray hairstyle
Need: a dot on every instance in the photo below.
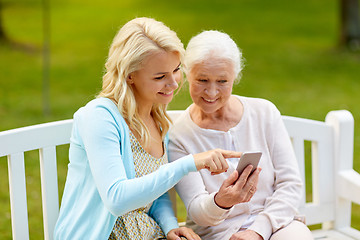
(213, 43)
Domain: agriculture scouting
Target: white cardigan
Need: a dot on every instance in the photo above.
(276, 200)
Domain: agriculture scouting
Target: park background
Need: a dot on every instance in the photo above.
(292, 59)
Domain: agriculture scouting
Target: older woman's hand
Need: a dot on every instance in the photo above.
(237, 189)
(214, 160)
(178, 233)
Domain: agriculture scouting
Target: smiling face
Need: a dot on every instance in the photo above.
(211, 83)
(157, 80)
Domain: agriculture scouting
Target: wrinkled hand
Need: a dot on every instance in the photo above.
(246, 235)
(177, 233)
(237, 189)
(214, 160)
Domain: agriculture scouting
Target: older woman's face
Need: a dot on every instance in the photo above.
(211, 83)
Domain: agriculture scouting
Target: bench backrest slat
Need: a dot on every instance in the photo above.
(49, 189)
(17, 187)
(35, 137)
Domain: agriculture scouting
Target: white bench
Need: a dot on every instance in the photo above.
(335, 185)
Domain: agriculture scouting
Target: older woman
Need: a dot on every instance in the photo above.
(219, 119)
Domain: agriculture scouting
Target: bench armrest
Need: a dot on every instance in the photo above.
(348, 182)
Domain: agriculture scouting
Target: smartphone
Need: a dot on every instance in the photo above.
(248, 158)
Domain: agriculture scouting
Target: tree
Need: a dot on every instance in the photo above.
(350, 24)
(8, 40)
(3, 36)
(29, 48)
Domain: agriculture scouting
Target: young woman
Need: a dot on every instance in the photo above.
(118, 175)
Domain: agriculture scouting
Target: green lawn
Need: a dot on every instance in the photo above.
(290, 50)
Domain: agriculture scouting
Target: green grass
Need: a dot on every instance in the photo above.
(290, 50)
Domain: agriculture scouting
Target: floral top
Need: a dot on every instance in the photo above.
(137, 224)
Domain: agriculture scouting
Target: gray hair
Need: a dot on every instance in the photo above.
(213, 43)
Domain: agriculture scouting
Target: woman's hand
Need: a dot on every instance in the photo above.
(246, 235)
(177, 233)
(214, 160)
(237, 189)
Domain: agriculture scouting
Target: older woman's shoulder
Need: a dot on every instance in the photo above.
(180, 119)
(257, 103)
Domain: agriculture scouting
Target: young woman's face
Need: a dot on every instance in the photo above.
(211, 83)
(157, 80)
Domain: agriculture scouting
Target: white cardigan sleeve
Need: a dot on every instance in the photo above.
(200, 205)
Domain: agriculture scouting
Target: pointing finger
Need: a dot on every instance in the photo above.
(230, 154)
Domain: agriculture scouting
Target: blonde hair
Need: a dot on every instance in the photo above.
(135, 41)
(213, 43)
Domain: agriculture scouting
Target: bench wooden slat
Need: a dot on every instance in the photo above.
(350, 232)
(318, 213)
(350, 180)
(322, 162)
(49, 189)
(18, 204)
(298, 145)
(35, 137)
(330, 235)
(306, 129)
